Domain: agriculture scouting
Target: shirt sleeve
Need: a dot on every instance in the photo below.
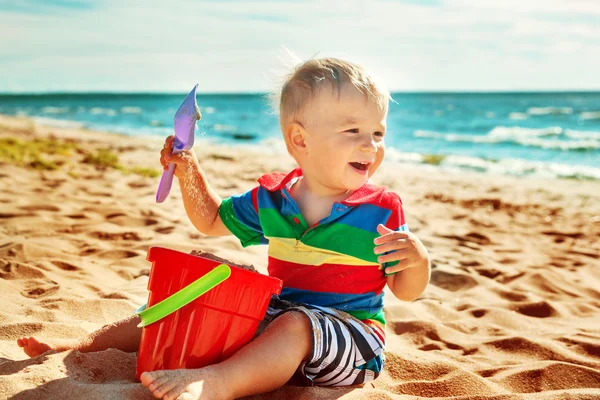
(395, 222)
(240, 215)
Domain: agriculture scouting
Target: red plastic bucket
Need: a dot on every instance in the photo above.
(212, 327)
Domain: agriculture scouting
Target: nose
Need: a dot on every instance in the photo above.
(369, 145)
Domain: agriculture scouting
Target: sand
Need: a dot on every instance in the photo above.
(512, 311)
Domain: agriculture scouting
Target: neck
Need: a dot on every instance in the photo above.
(312, 189)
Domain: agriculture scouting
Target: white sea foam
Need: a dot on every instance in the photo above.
(582, 134)
(455, 137)
(516, 132)
(400, 156)
(590, 115)
(55, 110)
(224, 128)
(518, 115)
(103, 111)
(513, 167)
(545, 138)
(549, 110)
(23, 112)
(560, 144)
(131, 110)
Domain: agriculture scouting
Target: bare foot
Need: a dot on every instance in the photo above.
(184, 384)
(34, 347)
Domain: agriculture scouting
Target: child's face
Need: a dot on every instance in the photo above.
(344, 139)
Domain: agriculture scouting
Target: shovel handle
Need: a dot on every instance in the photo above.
(164, 187)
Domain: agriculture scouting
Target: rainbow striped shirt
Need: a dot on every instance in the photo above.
(328, 264)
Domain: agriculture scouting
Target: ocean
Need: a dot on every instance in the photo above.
(523, 134)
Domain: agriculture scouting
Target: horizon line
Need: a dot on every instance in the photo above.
(254, 93)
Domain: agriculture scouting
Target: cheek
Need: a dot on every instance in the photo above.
(379, 156)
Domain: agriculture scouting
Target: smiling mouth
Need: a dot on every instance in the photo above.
(360, 166)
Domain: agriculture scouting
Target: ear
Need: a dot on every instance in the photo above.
(296, 137)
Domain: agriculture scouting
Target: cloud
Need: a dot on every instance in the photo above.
(434, 45)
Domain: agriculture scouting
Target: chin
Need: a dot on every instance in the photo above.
(356, 185)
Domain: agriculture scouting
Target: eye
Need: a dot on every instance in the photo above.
(379, 134)
(353, 130)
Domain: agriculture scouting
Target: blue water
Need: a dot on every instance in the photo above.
(556, 134)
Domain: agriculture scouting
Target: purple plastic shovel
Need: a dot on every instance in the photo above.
(185, 125)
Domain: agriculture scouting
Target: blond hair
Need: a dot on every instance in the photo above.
(308, 77)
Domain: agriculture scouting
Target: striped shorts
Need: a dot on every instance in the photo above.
(346, 351)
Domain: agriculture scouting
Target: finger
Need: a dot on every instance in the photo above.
(399, 244)
(391, 236)
(176, 158)
(395, 256)
(164, 153)
(397, 268)
(383, 230)
(168, 142)
(164, 162)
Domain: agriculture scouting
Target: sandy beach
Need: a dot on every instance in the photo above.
(512, 310)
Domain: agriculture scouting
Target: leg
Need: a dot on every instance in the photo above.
(123, 335)
(264, 364)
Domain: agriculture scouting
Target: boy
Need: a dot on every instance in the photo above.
(330, 234)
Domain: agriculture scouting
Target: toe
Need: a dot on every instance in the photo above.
(158, 382)
(148, 377)
(162, 390)
(174, 393)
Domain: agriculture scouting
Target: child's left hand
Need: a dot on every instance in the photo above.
(401, 246)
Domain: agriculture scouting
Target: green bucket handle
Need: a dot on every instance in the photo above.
(185, 296)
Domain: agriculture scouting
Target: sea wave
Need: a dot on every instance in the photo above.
(540, 111)
(518, 115)
(55, 110)
(517, 132)
(224, 128)
(131, 110)
(582, 134)
(561, 139)
(560, 144)
(590, 115)
(512, 167)
(103, 111)
(549, 110)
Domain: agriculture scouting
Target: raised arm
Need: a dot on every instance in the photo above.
(201, 202)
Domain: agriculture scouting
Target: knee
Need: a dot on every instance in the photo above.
(294, 323)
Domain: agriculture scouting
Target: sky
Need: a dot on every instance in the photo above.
(239, 46)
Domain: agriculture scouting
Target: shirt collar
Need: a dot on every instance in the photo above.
(368, 193)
